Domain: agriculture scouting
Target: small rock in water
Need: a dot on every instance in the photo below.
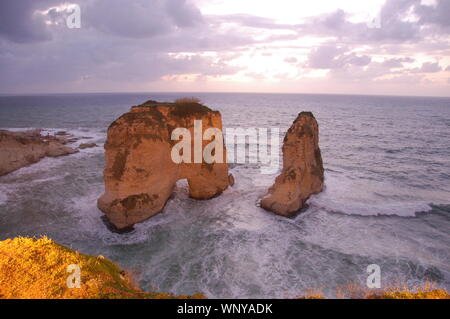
(86, 145)
(114, 229)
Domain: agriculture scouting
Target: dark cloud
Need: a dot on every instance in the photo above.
(334, 22)
(120, 41)
(140, 18)
(391, 25)
(436, 15)
(184, 13)
(428, 67)
(359, 60)
(396, 62)
(20, 24)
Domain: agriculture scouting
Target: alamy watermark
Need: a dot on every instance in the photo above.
(243, 146)
(74, 279)
(73, 20)
(374, 279)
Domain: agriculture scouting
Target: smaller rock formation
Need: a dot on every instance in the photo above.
(19, 149)
(302, 174)
(140, 172)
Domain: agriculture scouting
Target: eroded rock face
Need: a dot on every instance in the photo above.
(140, 174)
(19, 149)
(302, 174)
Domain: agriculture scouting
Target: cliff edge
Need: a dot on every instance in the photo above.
(42, 269)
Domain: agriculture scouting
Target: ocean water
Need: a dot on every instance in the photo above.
(386, 199)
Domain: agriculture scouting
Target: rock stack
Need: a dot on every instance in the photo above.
(302, 174)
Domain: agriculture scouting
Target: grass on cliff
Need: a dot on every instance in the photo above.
(356, 291)
(182, 107)
(37, 268)
(188, 100)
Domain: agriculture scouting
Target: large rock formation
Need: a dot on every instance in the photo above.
(19, 149)
(140, 173)
(302, 174)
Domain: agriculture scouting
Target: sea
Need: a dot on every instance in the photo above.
(386, 199)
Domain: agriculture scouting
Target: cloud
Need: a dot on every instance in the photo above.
(333, 57)
(249, 20)
(20, 24)
(184, 13)
(292, 60)
(396, 62)
(140, 18)
(134, 43)
(436, 15)
(428, 67)
(325, 57)
(359, 60)
(392, 27)
(256, 76)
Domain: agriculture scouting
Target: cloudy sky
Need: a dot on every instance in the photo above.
(399, 47)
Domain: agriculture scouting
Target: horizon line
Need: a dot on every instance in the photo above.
(216, 92)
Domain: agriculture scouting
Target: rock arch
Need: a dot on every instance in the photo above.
(140, 174)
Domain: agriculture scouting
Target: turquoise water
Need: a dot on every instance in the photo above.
(386, 201)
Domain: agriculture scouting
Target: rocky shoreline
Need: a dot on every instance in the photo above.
(23, 148)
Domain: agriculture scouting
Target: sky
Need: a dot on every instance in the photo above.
(391, 47)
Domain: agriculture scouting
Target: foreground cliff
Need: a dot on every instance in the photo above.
(302, 174)
(140, 171)
(40, 269)
(19, 149)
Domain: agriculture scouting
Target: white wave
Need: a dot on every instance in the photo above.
(3, 197)
(18, 129)
(90, 220)
(367, 197)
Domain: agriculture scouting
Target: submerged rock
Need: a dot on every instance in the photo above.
(302, 174)
(86, 145)
(19, 149)
(140, 173)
